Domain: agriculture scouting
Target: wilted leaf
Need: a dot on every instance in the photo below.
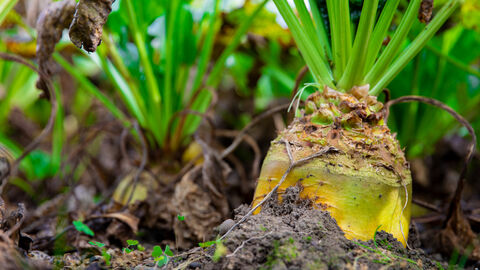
(425, 11)
(86, 28)
(50, 25)
(127, 218)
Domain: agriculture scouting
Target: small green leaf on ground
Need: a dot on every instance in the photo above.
(162, 260)
(106, 256)
(168, 251)
(220, 251)
(132, 242)
(81, 227)
(207, 244)
(157, 252)
(181, 218)
(97, 244)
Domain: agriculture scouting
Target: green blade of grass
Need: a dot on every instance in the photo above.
(5, 7)
(380, 32)
(356, 64)
(215, 75)
(155, 113)
(387, 56)
(92, 89)
(452, 60)
(18, 78)
(118, 62)
(120, 84)
(207, 47)
(170, 65)
(26, 165)
(58, 133)
(417, 44)
(319, 69)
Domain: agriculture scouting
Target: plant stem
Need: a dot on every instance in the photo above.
(119, 82)
(318, 67)
(416, 45)
(172, 38)
(215, 75)
(386, 58)
(307, 23)
(320, 29)
(356, 64)
(380, 32)
(153, 90)
(207, 48)
(92, 89)
(344, 23)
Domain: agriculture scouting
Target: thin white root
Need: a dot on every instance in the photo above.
(401, 214)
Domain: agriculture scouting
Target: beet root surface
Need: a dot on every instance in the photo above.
(365, 183)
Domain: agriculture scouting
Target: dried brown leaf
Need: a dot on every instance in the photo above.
(458, 236)
(50, 25)
(127, 218)
(425, 11)
(10, 258)
(87, 24)
(191, 201)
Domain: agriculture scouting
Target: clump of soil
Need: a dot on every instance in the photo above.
(292, 235)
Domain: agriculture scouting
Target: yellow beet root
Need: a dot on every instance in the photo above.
(365, 183)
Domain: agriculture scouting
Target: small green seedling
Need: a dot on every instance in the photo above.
(181, 218)
(220, 251)
(82, 227)
(106, 256)
(161, 256)
(132, 244)
(207, 244)
(97, 244)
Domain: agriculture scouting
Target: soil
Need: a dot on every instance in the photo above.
(293, 235)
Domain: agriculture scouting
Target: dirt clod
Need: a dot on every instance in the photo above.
(292, 235)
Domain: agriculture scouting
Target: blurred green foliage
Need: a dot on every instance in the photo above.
(167, 56)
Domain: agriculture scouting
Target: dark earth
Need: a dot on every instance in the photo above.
(293, 235)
